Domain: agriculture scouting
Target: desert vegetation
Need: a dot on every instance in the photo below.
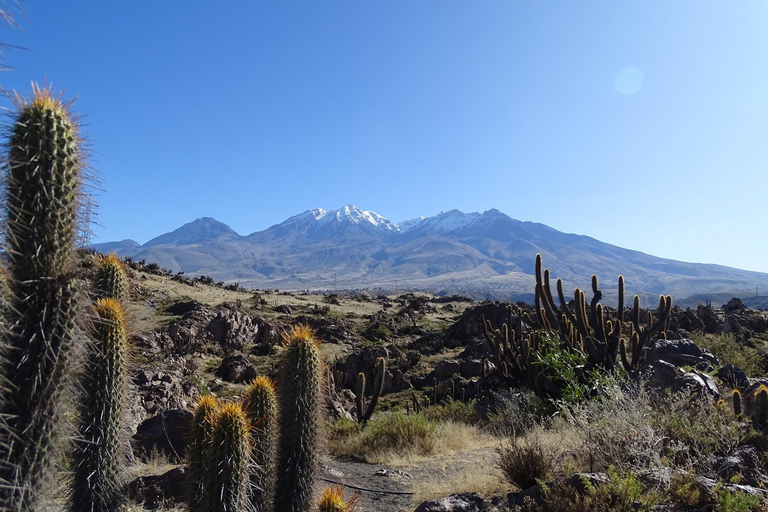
(127, 386)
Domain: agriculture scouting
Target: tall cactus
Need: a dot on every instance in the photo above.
(299, 409)
(201, 437)
(760, 413)
(378, 387)
(43, 191)
(230, 459)
(260, 407)
(111, 279)
(99, 446)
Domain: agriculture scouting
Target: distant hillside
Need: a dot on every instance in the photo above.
(481, 255)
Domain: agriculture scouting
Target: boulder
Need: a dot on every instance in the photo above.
(232, 329)
(155, 491)
(446, 369)
(236, 369)
(474, 368)
(166, 432)
(160, 390)
(733, 377)
(680, 353)
(464, 502)
(395, 381)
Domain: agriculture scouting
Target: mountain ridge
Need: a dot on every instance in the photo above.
(481, 254)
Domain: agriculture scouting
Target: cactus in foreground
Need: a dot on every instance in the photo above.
(736, 400)
(111, 278)
(201, 436)
(333, 500)
(99, 446)
(230, 459)
(299, 410)
(260, 406)
(761, 406)
(43, 191)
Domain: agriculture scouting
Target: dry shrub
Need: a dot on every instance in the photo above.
(635, 429)
(525, 463)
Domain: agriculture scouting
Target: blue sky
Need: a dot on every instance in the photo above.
(639, 123)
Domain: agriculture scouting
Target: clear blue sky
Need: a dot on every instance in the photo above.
(640, 123)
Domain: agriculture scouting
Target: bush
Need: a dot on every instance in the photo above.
(389, 434)
(728, 349)
(455, 411)
(526, 462)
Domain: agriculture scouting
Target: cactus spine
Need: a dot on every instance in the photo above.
(260, 406)
(99, 447)
(230, 455)
(111, 279)
(43, 190)
(299, 405)
(201, 437)
(333, 500)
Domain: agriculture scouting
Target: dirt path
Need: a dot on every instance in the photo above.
(439, 476)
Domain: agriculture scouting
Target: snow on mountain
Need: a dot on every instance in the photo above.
(444, 222)
(319, 223)
(409, 224)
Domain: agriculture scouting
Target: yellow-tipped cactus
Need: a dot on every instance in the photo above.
(43, 173)
(333, 500)
(111, 277)
(230, 459)
(736, 401)
(299, 413)
(761, 406)
(260, 406)
(201, 439)
(99, 447)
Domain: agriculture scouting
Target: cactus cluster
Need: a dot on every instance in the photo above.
(43, 179)
(333, 500)
(583, 327)
(231, 450)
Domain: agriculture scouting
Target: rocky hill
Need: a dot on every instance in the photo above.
(481, 255)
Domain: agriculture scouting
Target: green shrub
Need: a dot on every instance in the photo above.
(728, 349)
(455, 411)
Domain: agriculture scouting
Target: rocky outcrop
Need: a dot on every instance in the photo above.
(157, 491)
(464, 502)
(160, 390)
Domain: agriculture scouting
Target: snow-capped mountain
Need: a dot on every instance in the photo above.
(482, 254)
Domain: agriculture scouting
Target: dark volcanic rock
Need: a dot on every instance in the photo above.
(680, 353)
(233, 329)
(160, 490)
(167, 432)
(236, 369)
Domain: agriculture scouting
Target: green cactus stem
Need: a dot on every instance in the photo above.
(43, 173)
(111, 278)
(230, 459)
(761, 406)
(736, 400)
(200, 441)
(99, 448)
(299, 413)
(260, 406)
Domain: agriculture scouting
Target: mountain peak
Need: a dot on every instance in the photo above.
(201, 230)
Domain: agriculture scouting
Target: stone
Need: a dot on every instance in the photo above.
(464, 502)
(446, 369)
(160, 490)
(680, 353)
(733, 377)
(236, 369)
(474, 368)
(166, 432)
(232, 329)
(395, 381)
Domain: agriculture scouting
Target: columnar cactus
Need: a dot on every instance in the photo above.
(761, 406)
(736, 399)
(230, 459)
(299, 409)
(43, 190)
(201, 437)
(99, 447)
(111, 279)
(260, 406)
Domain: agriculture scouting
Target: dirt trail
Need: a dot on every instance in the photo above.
(431, 478)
